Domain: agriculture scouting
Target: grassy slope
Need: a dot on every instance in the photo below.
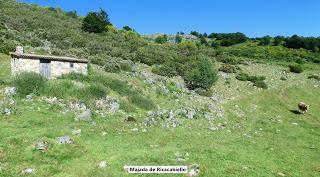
(256, 145)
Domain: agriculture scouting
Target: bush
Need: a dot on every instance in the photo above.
(2, 82)
(316, 77)
(227, 68)
(95, 22)
(204, 92)
(228, 59)
(199, 73)
(243, 77)
(7, 46)
(161, 39)
(178, 39)
(257, 81)
(260, 84)
(167, 69)
(127, 28)
(29, 83)
(296, 68)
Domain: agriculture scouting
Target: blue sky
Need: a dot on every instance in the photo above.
(252, 17)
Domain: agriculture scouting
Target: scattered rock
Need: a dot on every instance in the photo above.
(194, 170)
(135, 129)
(108, 104)
(181, 157)
(294, 123)
(103, 164)
(51, 100)
(104, 133)
(7, 111)
(10, 91)
(77, 106)
(76, 132)
(28, 171)
(29, 97)
(64, 140)
(280, 174)
(41, 146)
(126, 168)
(84, 116)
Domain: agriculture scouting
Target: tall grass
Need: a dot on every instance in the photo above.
(29, 83)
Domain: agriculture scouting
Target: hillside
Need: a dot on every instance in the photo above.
(143, 110)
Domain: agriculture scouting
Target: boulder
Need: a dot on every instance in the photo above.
(103, 164)
(64, 140)
(84, 116)
(41, 146)
(10, 91)
(28, 171)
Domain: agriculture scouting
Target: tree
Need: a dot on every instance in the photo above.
(199, 73)
(161, 39)
(127, 28)
(178, 39)
(265, 40)
(214, 44)
(278, 40)
(195, 33)
(72, 14)
(203, 41)
(96, 22)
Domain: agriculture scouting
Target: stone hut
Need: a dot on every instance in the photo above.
(49, 67)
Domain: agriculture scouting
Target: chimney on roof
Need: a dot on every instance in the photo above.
(19, 50)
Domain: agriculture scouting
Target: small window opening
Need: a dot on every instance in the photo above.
(71, 65)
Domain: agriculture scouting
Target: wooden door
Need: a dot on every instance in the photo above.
(45, 68)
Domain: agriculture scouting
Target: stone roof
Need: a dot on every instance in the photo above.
(47, 57)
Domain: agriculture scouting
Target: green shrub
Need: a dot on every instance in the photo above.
(95, 22)
(260, 84)
(172, 87)
(116, 65)
(243, 77)
(227, 68)
(161, 39)
(167, 69)
(29, 83)
(2, 82)
(316, 77)
(257, 81)
(7, 46)
(227, 59)
(204, 92)
(283, 78)
(296, 68)
(199, 73)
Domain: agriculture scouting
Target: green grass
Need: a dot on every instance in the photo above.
(257, 144)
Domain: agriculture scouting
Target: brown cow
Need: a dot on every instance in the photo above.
(303, 107)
